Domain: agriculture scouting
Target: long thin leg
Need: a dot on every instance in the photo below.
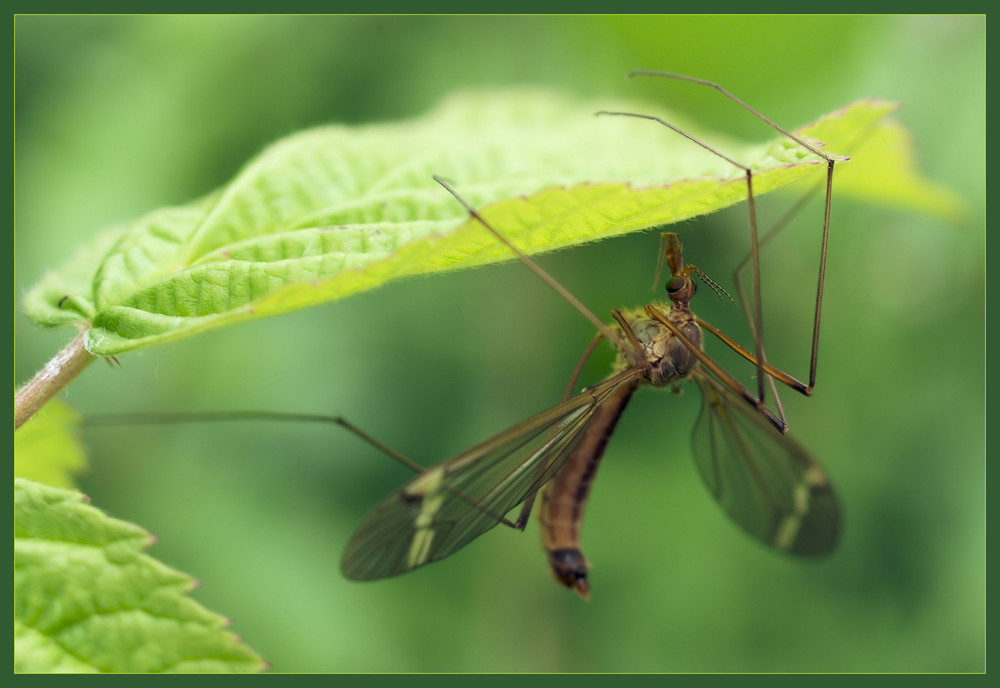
(756, 321)
(758, 317)
(826, 212)
(99, 420)
(741, 293)
(773, 373)
(575, 376)
(727, 94)
(779, 226)
(532, 265)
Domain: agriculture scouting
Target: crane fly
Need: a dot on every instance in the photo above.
(766, 482)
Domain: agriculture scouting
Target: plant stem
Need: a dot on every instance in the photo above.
(56, 374)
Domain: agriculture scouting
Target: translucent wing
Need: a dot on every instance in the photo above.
(449, 505)
(765, 481)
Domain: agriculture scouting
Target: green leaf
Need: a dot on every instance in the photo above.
(46, 448)
(86, 599)
(65, 296)
(334, 211)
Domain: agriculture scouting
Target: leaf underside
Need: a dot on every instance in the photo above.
(334, 211)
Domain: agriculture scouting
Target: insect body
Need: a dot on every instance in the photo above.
(664, 359)
(765, 482)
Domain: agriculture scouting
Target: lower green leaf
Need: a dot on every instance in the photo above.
(87, 599)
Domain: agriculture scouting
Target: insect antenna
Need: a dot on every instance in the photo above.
(719, 290)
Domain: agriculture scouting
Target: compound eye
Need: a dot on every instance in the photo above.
(675, 285)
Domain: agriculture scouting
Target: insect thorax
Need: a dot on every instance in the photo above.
(665, 357)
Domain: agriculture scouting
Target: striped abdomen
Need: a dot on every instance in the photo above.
(564, 497)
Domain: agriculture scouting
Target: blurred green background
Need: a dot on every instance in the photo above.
(120, 115)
